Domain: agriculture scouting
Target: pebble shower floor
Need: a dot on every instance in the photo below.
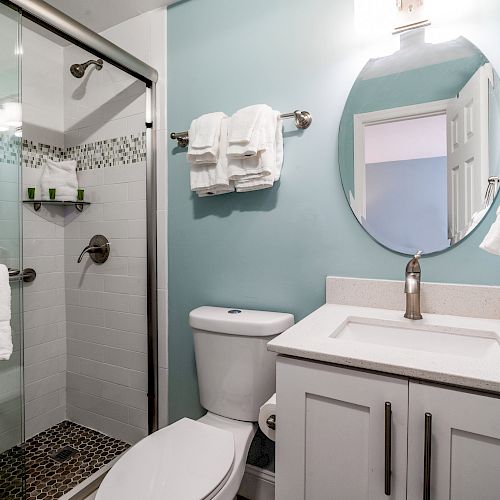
(44, 476)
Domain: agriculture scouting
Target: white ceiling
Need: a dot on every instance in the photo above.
(99, 15)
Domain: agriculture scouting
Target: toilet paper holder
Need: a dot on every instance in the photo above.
(271, 422)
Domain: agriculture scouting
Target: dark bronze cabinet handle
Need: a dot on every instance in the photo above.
(388, 448)
(427, 456)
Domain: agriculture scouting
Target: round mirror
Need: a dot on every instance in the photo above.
(419, 144)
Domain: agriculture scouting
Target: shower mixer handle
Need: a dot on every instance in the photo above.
(98, 249)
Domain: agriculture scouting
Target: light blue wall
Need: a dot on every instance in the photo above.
(405, 206)
(272, 249)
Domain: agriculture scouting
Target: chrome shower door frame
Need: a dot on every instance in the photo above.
(66, 27)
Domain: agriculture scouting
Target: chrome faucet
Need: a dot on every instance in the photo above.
(412, 287)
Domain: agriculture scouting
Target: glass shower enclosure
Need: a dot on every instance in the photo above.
(11, 372)
(109, 367)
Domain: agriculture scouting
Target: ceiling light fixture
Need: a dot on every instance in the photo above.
(411, 15)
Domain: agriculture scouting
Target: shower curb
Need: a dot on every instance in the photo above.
(91, 484)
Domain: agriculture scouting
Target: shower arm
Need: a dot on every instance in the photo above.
(98, 63)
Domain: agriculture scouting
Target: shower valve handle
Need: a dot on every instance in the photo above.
(98, 249)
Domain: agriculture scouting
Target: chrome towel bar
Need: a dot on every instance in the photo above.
(27, 275)
(303, 120)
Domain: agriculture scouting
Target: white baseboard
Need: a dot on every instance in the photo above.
(257, 484)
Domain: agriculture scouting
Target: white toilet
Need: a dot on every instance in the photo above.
(205, 459)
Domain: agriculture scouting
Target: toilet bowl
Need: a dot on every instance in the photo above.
(205, 459)
(191, 459)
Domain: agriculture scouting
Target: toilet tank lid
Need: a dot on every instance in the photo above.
(235, 321)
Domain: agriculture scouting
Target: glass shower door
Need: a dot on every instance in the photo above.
(11, 370)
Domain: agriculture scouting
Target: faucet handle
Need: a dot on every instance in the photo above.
(414, 266)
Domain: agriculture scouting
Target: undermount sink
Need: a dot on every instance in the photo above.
(429, 338)
(457, 350)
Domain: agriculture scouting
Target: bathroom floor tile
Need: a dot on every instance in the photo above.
(46, 477)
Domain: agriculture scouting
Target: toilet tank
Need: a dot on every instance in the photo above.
(236, 372)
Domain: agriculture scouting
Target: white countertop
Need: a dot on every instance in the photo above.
(315, 338)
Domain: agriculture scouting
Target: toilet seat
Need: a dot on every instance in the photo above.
(188, 460)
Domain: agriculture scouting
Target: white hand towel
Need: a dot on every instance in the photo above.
(60, 175)
(254, 184)
(261, 136)
(244, 122)
(204, 130)
(279, 148)
(5, 314)
(212, 178)
(204, 138)
(264, 162)
(261, 172)
(491, 242)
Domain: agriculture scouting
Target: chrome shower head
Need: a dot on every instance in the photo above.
(78, 70)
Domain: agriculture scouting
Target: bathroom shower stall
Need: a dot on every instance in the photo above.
(81, 384)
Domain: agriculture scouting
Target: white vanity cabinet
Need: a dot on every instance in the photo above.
(465, 444)
(333, 428)
(331, 433)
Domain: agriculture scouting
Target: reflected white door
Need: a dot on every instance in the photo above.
(468, 165)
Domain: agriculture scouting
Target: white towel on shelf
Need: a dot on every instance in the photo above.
(5, 314)
(204, 138)
(211, 179)
(491, 242)
(60, 175)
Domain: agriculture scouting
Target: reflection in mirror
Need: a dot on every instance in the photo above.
(418, 147)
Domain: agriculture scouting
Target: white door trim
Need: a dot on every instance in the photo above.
(433, 108)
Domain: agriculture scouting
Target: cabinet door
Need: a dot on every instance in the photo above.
(330, 433)
(465, 444)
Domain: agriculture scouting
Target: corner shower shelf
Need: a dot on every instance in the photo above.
(37, 204)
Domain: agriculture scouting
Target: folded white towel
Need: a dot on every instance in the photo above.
(261, 136)
(264, 162)
(491, 242)
(254, 184)
(5, 314)
(279, 149)
(212, 178)
(244, 123)
(60, 175)
(202, 193)
(262, 171)
(204, 138)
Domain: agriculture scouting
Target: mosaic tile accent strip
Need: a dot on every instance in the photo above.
(35, 154)
(45, 477)
(124, 150)
(9, 149)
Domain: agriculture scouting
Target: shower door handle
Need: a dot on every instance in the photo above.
(27, 275)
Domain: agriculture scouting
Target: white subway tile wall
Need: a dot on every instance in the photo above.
(106, 307)
(44, 314)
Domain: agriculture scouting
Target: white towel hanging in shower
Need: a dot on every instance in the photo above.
(5, 313)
